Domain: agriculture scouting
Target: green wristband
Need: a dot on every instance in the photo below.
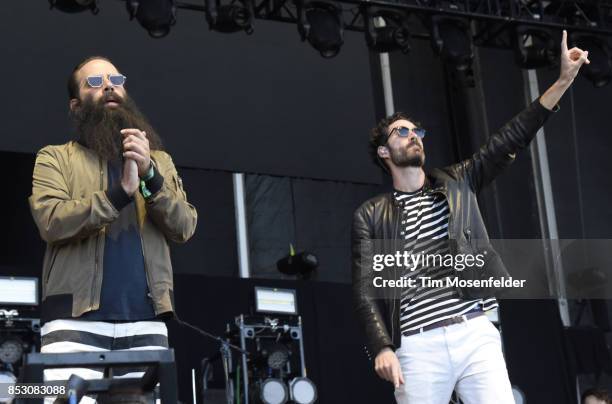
(144, 190)
(150, 174)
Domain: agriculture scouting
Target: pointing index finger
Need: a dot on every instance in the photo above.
(564, 42)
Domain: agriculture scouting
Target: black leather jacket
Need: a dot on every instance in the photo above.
(378, 219)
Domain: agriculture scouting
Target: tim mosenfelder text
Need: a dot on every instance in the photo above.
(459, 262)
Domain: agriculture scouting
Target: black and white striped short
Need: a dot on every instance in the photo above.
(62, 336)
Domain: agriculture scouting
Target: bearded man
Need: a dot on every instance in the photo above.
(431, 341)
(106, 204)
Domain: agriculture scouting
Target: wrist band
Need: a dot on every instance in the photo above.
(150, 174)
(144, 190)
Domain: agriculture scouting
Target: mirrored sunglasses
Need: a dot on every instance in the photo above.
(97, 81)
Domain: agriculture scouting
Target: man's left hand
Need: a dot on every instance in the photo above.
(136, 147)
(571, 60)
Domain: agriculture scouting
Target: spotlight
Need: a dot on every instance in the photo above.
(535, 48)
(156, 16)
(11, 351)
(302, 264)
(277, 356)
(75, 6)
(234, 17)
(575, 13)
(599, 71)
(302, 390)
(321, 24)
(7, 379)
(273, 391)
(452, 40)
(386, 30)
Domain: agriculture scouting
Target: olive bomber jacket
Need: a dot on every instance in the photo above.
(72, 208)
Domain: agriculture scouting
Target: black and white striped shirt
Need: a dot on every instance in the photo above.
(424, 226)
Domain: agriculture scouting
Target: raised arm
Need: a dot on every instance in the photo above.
(501, 148)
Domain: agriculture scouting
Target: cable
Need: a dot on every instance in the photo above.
(209, 335)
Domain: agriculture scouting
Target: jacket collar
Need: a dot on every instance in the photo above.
(433, 183)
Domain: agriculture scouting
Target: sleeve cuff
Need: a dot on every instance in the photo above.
(556, 108)
(118, 197)
(155, 183)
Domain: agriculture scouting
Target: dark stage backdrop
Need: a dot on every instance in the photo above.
(335, 358)
(579, 146)
(312, 215)
(265, 103)
(419, 91)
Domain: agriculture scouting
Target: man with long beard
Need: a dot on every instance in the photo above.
(106, 204)
(429, 341)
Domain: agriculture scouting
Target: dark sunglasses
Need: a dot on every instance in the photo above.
(403, 131)
(97, 81)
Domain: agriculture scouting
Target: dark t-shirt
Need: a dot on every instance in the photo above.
(124, 283)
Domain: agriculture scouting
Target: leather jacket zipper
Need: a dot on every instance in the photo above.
(395, 235)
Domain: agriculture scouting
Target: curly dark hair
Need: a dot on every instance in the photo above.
(600, 394)
(73, 85)
(378, 135)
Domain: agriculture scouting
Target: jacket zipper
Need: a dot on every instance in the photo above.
(97, 262)
(144, 261)
(395, 228)
(55, 252)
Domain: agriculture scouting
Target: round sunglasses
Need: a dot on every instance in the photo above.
(97, 80)
(403, 131)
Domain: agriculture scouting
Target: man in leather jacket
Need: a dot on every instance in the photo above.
(428, 344)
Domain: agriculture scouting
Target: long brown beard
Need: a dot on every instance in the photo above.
(98, 127)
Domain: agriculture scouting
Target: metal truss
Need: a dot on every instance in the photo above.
(494, 21)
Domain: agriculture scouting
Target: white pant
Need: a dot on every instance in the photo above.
(146, 333)
(466, 357)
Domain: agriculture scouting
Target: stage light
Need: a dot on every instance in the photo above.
(302, 264)
(274, 391)
(321, 24)
(156, 16)
(535, 48)
(228, 18)
(452, 40)
(7, 379)
(11, 350)
(75, 6)
(277, 356)
(387, 30)
(302, 390)
(599, 71)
